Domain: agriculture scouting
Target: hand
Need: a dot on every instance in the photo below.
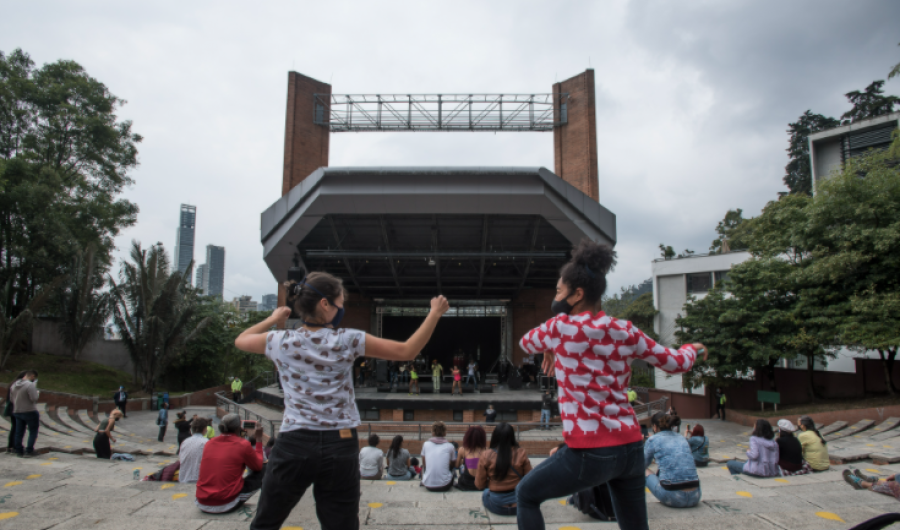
(439, 305)
(701, 350)
(258, 434)
(549, 364)
(554, 450)
(281, 314)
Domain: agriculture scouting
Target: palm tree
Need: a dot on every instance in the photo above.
(83, 308)
(153, 309)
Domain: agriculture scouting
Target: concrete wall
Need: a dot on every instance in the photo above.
(305, 144)
(827, 158)
(575, 144)
(112, 353)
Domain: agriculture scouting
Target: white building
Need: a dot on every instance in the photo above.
(676, 279)
(828, 150)
(244, 304)
(269, 302)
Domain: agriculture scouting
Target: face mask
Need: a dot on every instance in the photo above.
(338, 317)
(561, 306)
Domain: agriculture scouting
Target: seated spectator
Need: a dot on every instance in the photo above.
(815, 451)
(474, 444)
(269, 446)
(887, 486)
(398, 461)
(500, 469)
(676, 484)
(790, 452)
(437, 460)
(762, 457)
(414, 464)
(170, 473)
(371, 460)
(104, 436)
(699, 444)
(221, 487)
(192, 452)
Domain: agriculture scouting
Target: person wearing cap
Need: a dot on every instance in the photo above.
(121, 400)
(222, 487)
(790, 452)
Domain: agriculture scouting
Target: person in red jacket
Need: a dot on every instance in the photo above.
(222, 487)
(591, 353)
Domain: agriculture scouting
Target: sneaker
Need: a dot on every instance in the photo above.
(852, 479)
(28, 455)
(866, 478)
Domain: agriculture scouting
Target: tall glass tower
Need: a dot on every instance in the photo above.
(184, 239)
(214, 274)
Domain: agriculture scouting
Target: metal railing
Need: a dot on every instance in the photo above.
(649, 409)
(230, 406)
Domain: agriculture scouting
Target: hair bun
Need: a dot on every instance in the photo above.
(598, 258)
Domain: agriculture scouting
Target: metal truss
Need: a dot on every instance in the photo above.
(440, 112)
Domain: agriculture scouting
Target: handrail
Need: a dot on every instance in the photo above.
(230, 406)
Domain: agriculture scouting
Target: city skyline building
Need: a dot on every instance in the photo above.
(269, 302)
(184, 238)
(214, 275)
(244, 304)
(201, 278)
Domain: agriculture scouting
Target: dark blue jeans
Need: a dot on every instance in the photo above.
(573, 470)
(498, 503)
(31, 421)
(319, 458)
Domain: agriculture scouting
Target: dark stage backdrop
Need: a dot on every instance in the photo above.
(451, 334)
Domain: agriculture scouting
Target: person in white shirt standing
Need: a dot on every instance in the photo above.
(371, 460)
(471, 376)
(437, 458)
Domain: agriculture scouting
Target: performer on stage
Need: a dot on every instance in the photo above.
(436, 371)
(457, 381)
(413, 380)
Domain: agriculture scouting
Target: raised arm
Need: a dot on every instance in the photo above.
(253, 339)
(393, 350)
(666, 359)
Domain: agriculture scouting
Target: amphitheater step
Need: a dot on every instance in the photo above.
(885, 429)
(48, 416)
(853, 430)
(836, 426)
(62, 413)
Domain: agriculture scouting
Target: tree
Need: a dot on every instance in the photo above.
(64, 160)
(666, 252)
(83, 308)
(798, 172)
(153, 309)
(14, 329)
(731, 232)
(869, 103)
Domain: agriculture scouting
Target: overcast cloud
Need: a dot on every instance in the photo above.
(693, 97)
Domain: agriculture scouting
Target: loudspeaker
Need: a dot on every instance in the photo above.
(381, 371)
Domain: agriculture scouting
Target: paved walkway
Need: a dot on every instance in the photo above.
(67, 492)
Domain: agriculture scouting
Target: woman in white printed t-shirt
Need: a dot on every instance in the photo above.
(318, 444)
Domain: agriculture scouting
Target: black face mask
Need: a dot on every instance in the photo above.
(561, 306)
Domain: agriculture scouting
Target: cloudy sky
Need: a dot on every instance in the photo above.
(693, 97)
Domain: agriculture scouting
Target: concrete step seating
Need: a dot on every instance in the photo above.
(62, 491)
(852, 430)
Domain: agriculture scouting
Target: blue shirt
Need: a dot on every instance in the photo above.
(673, 456)
(700, 448)
(163, 417)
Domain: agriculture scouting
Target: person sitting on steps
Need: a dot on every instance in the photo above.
(762, 457)
(500, 470)
(790, 451)
(815, 448)
(104, 438)
(437, 459)
(398, 460)
(699, 445)
(676, 484)
(191, 451)
(221, 485)
(371, 460)
(886, 486)
(473, 446)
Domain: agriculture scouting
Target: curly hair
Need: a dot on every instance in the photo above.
(304, 294)
(587, 269)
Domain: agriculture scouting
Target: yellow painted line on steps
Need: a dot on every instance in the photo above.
(179, 496)
(562, 501)
(745, 494)
(291, 528)
(390, 483)
(569, 528)
(8, 515)
(876, 471)
(47, 464)
(782, 481)
(830, 516)
(375, 505)
(32, 477)
(647, 490)
(870, 445)
(166, 486)
(13, 483)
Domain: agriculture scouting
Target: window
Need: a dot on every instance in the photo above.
(409, 415)
(457, 415)
(370, 415)
(699, 282)
(721, 276)
(507, 416)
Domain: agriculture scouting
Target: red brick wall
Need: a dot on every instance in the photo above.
(529, 310)
(575, 144)
(692, 406)
(305, 144)
(433, 415)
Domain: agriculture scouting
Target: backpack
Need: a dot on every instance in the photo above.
(595, 502)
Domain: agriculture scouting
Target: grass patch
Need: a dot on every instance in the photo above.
(825, 405)
(62, 374)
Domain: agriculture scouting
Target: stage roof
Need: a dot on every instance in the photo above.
(413, 232)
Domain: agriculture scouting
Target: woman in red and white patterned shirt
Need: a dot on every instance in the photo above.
(591, 355)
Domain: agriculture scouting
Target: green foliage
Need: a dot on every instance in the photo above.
(640, 312)
(666, 252)
(798, 172)
(731, 232)
(64, 374)
(83, 308)
(869, 103)
(64, 160)
(154, 310)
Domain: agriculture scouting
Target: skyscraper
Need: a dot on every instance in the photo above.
(201, 278)
(214, 275)
(184, 238)
(269, 302)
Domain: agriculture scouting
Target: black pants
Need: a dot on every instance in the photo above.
(11, 442)
(319, 458)
(236, 396)
(720, 411)
(101, 446)
(122, 405)
(162, 432)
